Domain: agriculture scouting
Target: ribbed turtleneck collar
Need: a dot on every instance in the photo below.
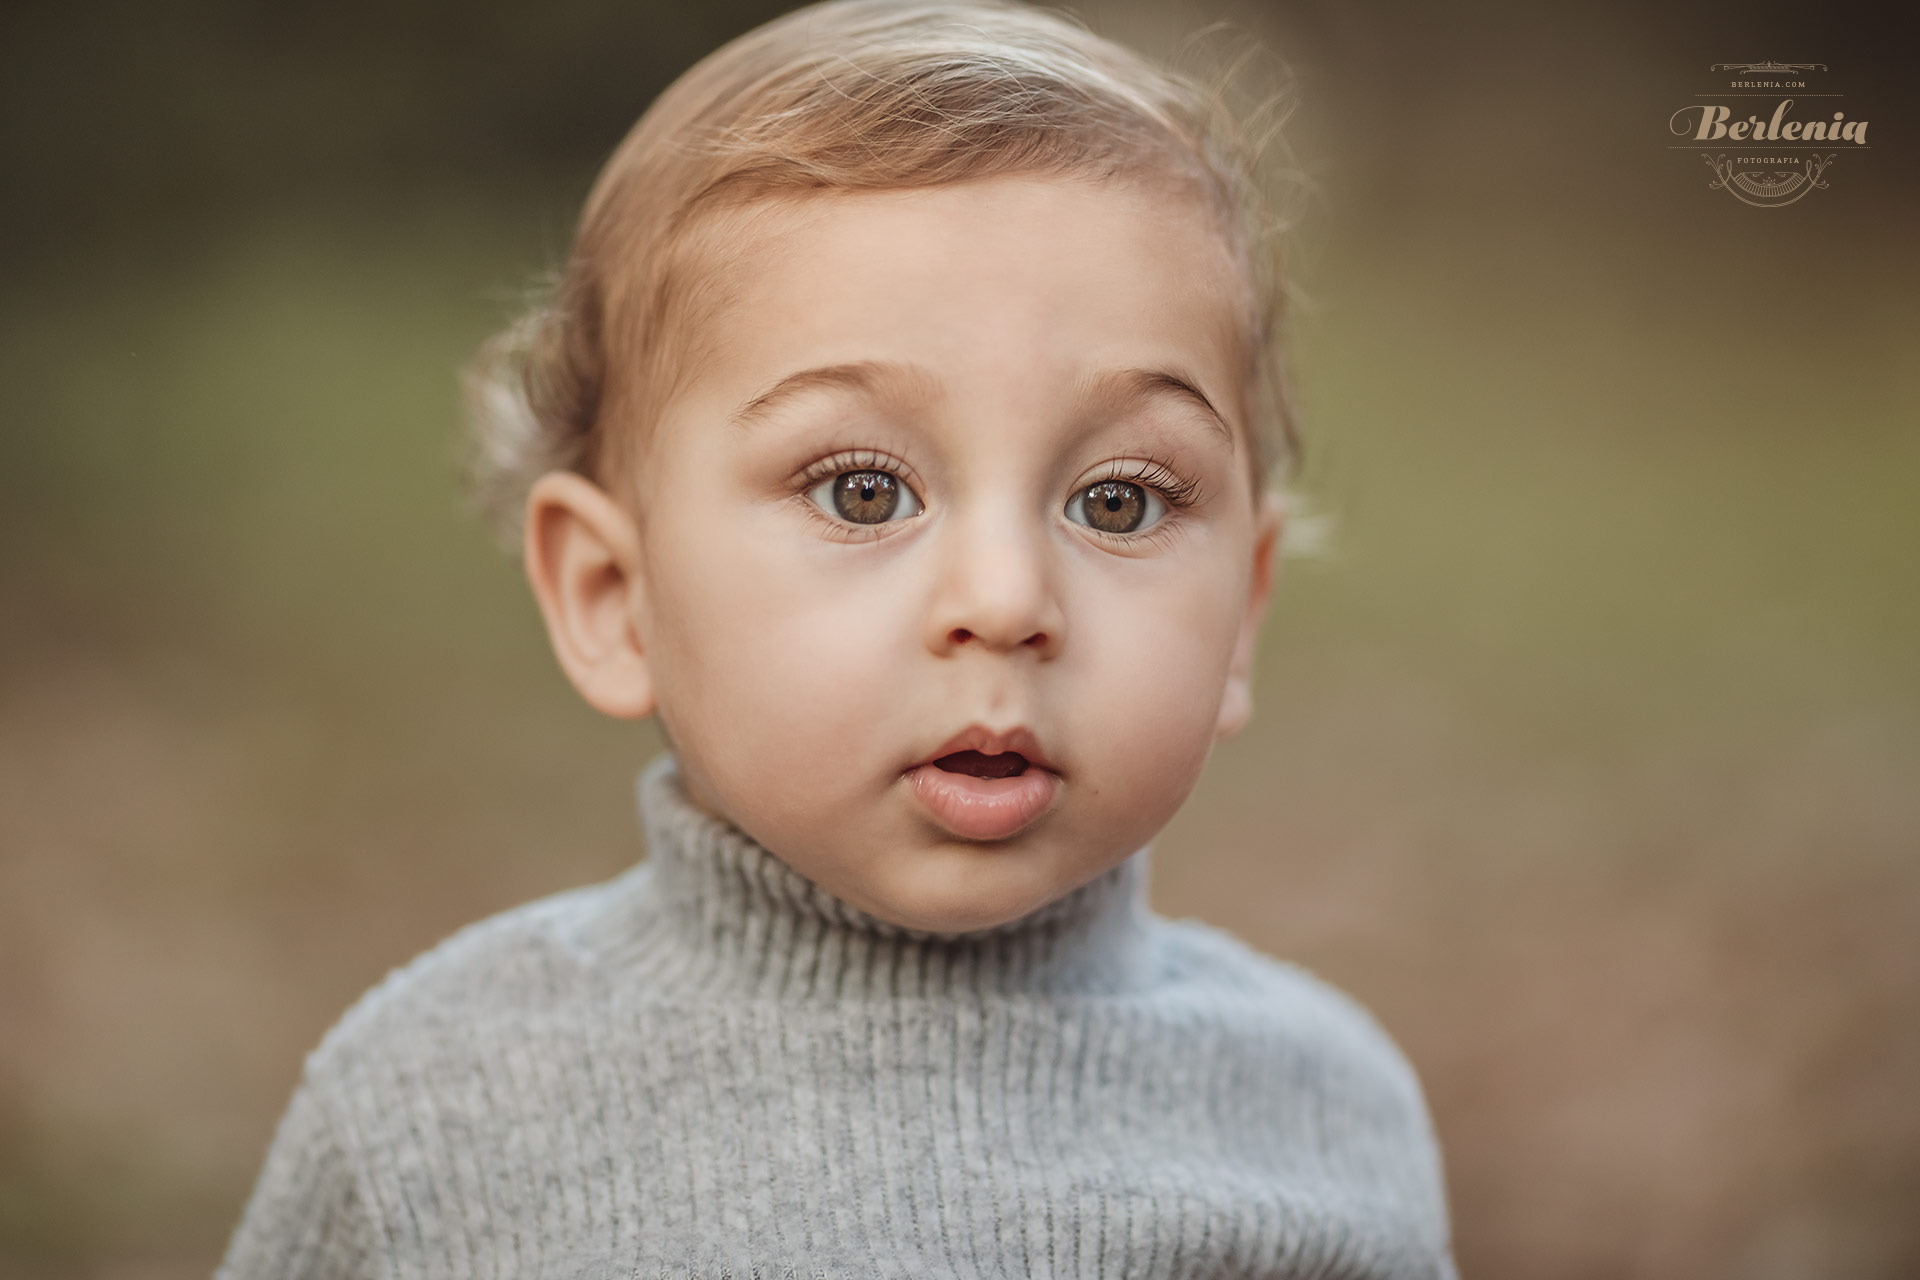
(733, 918)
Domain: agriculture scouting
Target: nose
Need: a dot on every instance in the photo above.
(996, 589)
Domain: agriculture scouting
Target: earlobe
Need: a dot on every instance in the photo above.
(1236, 700)
(582, 556)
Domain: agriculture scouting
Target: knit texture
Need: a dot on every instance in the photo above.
(710, 1067)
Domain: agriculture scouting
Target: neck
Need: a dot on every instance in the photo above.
(734, 918)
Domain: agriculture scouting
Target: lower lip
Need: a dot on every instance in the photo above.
(984, 808)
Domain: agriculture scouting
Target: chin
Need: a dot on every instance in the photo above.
(962, 911)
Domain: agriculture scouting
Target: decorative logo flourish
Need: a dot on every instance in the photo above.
(1762, 189)
(1786, 154)
(1751, 67)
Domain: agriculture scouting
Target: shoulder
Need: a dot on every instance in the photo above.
(1321, 1038)
(536, 961)
(1319, 1066)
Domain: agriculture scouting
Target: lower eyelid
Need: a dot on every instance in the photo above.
(842, 530)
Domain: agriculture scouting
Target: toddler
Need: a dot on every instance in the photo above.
(898, 433)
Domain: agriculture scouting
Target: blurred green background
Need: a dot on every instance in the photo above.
(1587, 758)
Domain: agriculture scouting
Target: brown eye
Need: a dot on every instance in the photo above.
(866, 497)
(1115, 506)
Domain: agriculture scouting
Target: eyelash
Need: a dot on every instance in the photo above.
(1177, 491)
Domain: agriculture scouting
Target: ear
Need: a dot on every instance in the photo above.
(582, 554)
(1236, 701)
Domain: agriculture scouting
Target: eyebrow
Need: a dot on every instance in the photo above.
(1130, 388)
(876, 379)
(896, 380)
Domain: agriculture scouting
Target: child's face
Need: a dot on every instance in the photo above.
(975, 519)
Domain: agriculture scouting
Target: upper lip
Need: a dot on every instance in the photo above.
(992, 742)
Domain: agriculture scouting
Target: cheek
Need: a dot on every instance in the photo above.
(763, 656)
(1162, 655)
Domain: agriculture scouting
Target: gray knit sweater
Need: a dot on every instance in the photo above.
(709, 1067)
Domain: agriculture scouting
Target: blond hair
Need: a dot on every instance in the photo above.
(848, 95)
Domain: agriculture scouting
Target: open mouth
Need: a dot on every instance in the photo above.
(986, 795)
(1006, 764)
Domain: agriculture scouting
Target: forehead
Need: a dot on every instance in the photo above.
(1025, 281)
